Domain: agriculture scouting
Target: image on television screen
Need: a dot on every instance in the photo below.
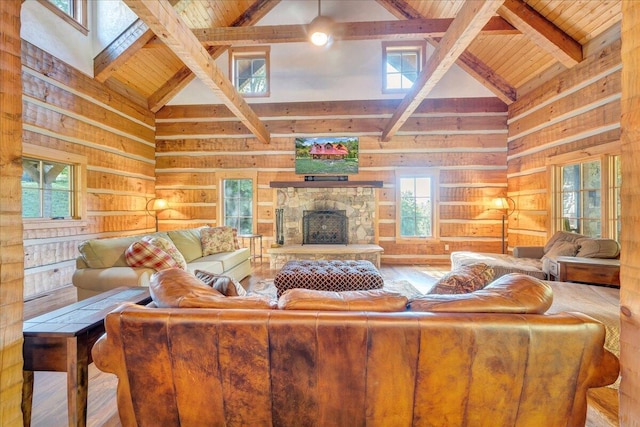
(327, 156)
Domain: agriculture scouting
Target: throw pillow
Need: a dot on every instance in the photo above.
(217, 239)
(598, 248)
(145, 254)
(371, 300)
(169, 248)
(224, 284)
(466, 279)
(560, 248)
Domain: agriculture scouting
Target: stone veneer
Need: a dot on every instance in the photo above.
(359, 204)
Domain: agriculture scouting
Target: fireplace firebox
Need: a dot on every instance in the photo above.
(325, 227)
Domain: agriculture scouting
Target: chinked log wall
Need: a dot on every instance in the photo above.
(572, 114)
(464, 138)
(65, 110)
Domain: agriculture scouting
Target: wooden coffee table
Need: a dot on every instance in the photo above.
(587, 270)
(61, 341)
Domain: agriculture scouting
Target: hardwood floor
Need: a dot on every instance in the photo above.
(50, 404)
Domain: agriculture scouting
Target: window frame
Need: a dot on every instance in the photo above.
(606, 154)
(252, 52)
(253, 176)
(77, 20)
(79, 164)
(419, 46)
(433, 175)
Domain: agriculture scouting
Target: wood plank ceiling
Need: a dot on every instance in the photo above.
(520, 45)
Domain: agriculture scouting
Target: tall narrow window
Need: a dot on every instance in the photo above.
(250, 70)
(238, 204)
(72, 11)
(416, 206)
(615, 182)
(402, 64)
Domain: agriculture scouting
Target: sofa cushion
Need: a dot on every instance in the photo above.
(511, 293)
(105, 253)
(224, 284)
(217, 239)
(168, 246)
(145, 254)
(177, 288)
(463, 280)
(598, 248)
(563, 236)
(187, 242)
(227, 259)
(371, 300)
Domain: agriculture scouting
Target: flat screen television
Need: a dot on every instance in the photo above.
(327, 156)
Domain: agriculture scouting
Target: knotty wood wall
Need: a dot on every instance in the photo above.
(65, 110)
(465, 139)
(11, 265)
(574, 112)
(630, 256)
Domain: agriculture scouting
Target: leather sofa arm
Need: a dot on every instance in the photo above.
(535, 252)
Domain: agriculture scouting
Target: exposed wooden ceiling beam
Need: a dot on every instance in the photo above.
(370, 30)
(184, 76)
(468, 62)
(542, 32)
(473, 15)
(163, 20)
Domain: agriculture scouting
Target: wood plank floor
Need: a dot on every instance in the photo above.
(50, 404)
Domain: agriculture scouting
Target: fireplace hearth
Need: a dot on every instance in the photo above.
(325, 227)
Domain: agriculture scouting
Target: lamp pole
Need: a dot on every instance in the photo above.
(504, 216)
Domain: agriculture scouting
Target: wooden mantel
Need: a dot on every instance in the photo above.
(325, 184)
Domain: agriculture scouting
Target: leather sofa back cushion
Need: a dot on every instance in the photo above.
(105, 253)
(371, 300)
(175, 288)
(511, 293)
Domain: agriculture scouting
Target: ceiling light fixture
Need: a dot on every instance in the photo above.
(320, 29)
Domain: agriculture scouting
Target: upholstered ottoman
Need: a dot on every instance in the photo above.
(328, 276)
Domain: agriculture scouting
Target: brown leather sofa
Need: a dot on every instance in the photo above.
(280, 367)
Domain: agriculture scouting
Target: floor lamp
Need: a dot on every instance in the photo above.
(507, 205)
(156, 204)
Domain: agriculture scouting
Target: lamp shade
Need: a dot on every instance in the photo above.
(501, 203)
(320, 30)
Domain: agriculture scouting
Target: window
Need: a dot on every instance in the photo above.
(415, 211)
(586, 197)
(72, 11)
(250, 70)
(52, 184)
(238, 205)
(402, 64)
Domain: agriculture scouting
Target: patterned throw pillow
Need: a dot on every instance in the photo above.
(144, 254)
(169, 248)
(223, 284)
(466, 279)
(217, 239)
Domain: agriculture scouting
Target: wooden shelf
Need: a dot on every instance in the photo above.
(325, 184)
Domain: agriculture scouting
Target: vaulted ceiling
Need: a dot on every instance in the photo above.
(509, 46)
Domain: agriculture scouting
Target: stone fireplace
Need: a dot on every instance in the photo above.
(322, 227)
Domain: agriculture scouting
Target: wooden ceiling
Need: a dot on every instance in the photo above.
(510, 47)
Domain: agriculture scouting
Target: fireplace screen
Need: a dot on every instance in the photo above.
(324, 227)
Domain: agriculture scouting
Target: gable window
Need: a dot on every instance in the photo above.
(73, 12)
(250, 70)
(52, 184)
(402, 64)
(586, 196)
(238, 197)
(415, 210)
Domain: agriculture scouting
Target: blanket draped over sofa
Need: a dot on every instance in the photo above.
(281, 367)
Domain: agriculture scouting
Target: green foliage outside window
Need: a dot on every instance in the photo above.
(47, 189)
(416, 207)
(238, 204)
(64, 5)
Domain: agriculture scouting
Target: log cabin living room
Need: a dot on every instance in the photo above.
(423, 133)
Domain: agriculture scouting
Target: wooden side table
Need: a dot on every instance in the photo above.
(587, 270)
(62, 340)
(253, 239)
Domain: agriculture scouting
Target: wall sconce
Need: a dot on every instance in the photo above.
(508, 206)
(320, 29)
(156, 204)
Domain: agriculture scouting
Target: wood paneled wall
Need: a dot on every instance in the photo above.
(11, 264)
(464, 139)
(630, 256)
(575, 112)
(66, 110)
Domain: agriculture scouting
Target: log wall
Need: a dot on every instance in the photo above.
(464, 139)
(65, 110)
(571, 114)
(11, 265)
(630, 256)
